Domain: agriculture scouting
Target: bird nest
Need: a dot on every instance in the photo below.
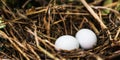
(30, 33)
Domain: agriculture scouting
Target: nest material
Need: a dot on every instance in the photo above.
(31, 33)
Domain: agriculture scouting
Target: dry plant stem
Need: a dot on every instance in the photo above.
(6, 11)
(36, 12)
(44, 10)
(3, 1)
(71, 27)
(44, 42)
(47, 25)
(27, 14)
(100, 14)
(15, 30)
(75, 27)
(56, 22)
(63, 19)
(70, 13)
(110, 36)
(50, 43)
(5, 54)
(101, 7)
(17, 42)
(53, 46)
(50, 46)
(81, 24)
(94, 14)
(40, 48)
(98, 57)
(25, 3)
(46, 45)
(15, 39)
(47, 53)
(117, 34)
(43, 35)
(35, 32)
(11, 41)
(93, 26)
(38, 58)
(22, 15)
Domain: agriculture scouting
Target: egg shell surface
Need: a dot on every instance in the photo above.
(87, 38)
(66, 42)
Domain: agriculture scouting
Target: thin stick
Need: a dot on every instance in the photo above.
(93, 14)
(2, 34)
(101, 7)
(33, 51)
(117, 34)
(40, 48)
(93, 26)
(23, 6)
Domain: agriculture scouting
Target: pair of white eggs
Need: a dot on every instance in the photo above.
(86, 38)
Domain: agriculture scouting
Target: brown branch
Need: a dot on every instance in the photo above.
(93, 14)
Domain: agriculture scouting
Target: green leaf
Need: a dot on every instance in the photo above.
(106, 2)
(118, 6)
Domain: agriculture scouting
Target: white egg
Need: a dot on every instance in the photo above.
(87, 38)
(66, 42)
